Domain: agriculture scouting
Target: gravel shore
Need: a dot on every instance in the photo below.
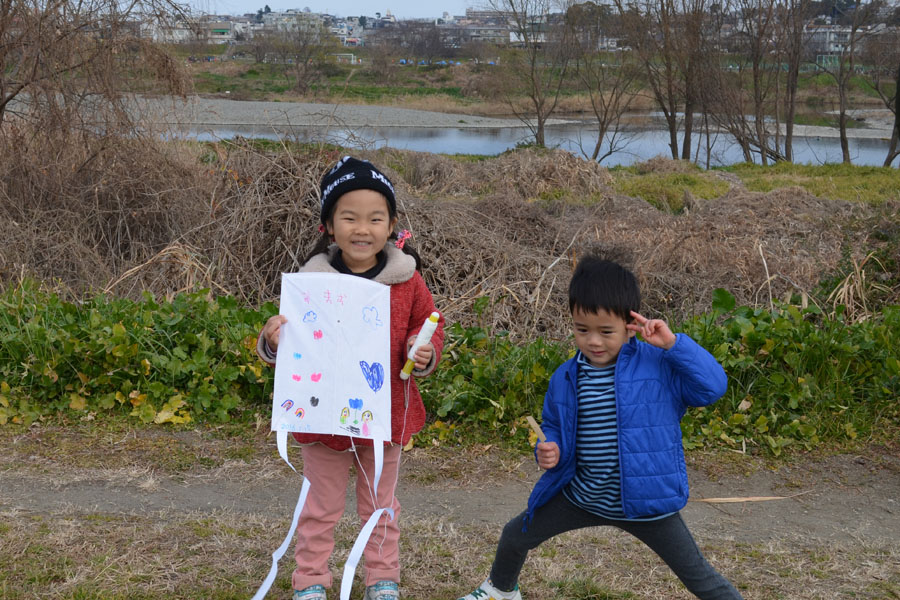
(205, 112)
(215, 111)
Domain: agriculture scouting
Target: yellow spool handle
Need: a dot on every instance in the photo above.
(428, 329)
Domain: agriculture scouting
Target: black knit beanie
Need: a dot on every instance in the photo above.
(353, 174)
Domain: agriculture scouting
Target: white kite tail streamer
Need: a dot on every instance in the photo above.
(281, 438)
(361, 540)
(366, 532)
(356, 552)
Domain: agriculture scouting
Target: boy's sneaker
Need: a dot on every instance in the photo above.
(313, 592)
(486, 591)
(383, 590)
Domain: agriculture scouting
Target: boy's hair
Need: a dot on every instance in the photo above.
(600, 284)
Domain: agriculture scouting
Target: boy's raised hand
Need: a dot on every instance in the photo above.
(272, 331)
(547, 455)
(654, 331)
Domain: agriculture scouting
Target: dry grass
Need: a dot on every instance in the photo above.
(216, 543)
(131, 214)
(225, 554)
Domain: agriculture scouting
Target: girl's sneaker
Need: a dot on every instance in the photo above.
(486, 591)
(383, 590)
(313, 592)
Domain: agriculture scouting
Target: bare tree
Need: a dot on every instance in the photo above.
(609, 78)
(381, 53)
(882, 54)
(66, 60)
(690, 52)
(745, 83)
(540, 61)
(261, 45)
(425, 40)
(420, 40)
(844, 67)
(649, 29)
(792, 41)
(307, 46)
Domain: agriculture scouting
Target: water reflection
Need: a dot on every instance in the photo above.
(634, 147)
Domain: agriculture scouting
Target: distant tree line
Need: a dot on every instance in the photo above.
(708, 65)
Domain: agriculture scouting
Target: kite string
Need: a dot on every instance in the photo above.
(363, 538)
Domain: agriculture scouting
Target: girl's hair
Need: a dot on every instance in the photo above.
(325, 240)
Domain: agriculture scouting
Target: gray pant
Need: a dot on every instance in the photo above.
(668, 537)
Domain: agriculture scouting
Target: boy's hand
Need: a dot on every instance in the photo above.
(547, 455)
(654, 331)
(423, 355)
(272, 331)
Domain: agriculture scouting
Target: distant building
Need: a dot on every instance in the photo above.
(828, 39)
(179, 32)
(489, 34)
(217, 32)
(487, 16)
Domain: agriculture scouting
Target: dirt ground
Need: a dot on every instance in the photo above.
(833, 536)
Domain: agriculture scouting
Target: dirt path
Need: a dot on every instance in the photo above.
(829, 498)
(849, 502)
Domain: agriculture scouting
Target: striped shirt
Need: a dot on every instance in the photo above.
(597, 486)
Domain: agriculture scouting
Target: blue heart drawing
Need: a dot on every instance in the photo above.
(297, 355)
(374, 374)
(355, 403)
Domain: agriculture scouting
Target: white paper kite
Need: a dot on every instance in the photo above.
(332, 371)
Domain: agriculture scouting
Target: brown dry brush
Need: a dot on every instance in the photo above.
(129, 214)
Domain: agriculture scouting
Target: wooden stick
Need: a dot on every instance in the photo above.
(747, 498)
(730, 500)
(536, 428)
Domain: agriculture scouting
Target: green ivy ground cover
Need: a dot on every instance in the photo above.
(159, 361)
(797, 377)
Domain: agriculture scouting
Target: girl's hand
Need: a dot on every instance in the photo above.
(272, 331)
(547, 455)
(423, 355)
(654, 331)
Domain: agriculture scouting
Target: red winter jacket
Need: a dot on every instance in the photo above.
(411, 305)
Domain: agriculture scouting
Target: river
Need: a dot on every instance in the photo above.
(364, 126)
(636, 146)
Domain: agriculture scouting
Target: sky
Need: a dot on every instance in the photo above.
(402, 9)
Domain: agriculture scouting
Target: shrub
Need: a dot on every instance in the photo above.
(161, 361)
(797, 376)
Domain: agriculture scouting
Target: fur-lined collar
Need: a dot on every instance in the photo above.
(400, 266)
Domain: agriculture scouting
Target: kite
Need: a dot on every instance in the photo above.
(331, 367)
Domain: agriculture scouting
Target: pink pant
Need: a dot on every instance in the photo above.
(328, 472)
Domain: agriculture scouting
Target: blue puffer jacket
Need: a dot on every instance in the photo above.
(653, 388)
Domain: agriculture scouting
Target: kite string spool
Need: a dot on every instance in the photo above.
(424, 336)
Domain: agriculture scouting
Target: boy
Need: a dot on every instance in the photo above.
(613, 454)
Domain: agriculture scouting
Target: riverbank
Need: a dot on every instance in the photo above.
(199, 111)
(196, 111)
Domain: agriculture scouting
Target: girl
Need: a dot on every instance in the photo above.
(359, 213)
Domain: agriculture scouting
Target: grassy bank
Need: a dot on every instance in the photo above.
(472, 88)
